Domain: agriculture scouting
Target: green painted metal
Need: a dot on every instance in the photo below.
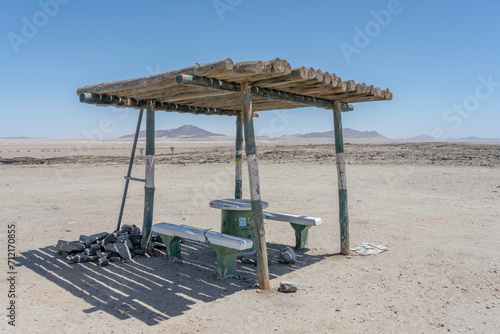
(173, 245)
(226, 261)
(129, 171)
(149, 189)
(301, 235)
(343, 205)
(253, 175)
(238, 192)
(240, 224)
(184, 79)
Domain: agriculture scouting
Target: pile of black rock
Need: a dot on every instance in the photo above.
(103, 248)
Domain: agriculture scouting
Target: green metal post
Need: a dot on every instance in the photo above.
(226, 261)
(239, 147)
(343, 208)
(253, 176)
(301, 235)
(150, 176)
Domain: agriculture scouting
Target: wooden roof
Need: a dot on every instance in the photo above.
(213, 88)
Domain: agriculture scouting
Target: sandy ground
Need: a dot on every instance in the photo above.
(438, 214)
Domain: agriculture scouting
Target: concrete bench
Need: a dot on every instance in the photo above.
(226, 246)
(301, 225)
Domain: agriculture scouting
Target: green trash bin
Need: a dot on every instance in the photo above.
(236, 219)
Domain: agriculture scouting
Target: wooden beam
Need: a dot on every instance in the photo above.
(255, 194)
(120, 102)
(238, 193)
(185, 79)
(149, 188)
(342, 185)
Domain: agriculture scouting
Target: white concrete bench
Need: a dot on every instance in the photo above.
(301, 225)
(226, 246)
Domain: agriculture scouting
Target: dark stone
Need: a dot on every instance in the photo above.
(102, 255)
(85, 239)
(249, 260)
(114, 259)
(93, 258)
(102, 262)
(88, 240)
(158, 244)
(136, 239)
(89, 252)
(288, 256)
(95, 246)
(80, 257)
(70, 247)
(131, 229)
(138, 251)
(120, 249)
(156, 238)
(109, 239)
(129, 244)
(288, 287)
(71, 261)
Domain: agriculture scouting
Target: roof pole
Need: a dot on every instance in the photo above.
(253, 176)
(130, 164)
(238, 160)
(339, 150)
(149, 188)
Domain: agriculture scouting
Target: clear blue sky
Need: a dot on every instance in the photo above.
(439, 58)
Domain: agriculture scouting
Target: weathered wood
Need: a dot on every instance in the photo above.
(203, 69)
(238, 192)
(149, 187)
(104, 100)
(275, 74)
(255, 192)
(342, 185)
(183, 79)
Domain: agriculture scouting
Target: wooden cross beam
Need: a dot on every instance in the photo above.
(307, 101)
(106, 100)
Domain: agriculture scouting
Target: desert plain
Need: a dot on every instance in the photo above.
(434, 205)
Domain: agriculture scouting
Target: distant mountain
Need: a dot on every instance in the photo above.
(478, 138)
(185, 131)
(424, 137)
(348, 133)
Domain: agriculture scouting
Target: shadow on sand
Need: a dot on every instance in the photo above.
(153, 289)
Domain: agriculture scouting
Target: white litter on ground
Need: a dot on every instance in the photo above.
(369, 249)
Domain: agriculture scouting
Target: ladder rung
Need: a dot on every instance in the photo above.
(134, 179)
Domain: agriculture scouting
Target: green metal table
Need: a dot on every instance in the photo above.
(236, 219)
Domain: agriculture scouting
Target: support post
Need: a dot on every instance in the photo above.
(339, 150)
(149, 189)
(130, 164)
(239, 147)
(253, 176)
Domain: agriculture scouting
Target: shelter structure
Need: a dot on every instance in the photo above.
(241, 90)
